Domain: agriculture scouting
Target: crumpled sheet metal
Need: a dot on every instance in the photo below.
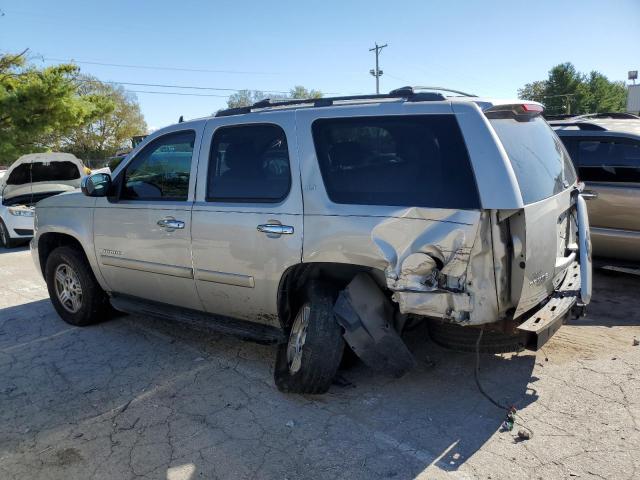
(447, 240)
(421, 251)
(453, 306)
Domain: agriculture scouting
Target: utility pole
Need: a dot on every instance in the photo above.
(377, 72)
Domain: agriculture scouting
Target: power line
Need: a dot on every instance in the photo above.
(191, 87)
(180, 93)
(155, 67)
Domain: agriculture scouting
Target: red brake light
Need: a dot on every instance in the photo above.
(532, 107)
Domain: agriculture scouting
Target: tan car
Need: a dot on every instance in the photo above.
(605, 149)
(316, 224)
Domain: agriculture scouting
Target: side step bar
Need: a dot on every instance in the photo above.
(202, 321)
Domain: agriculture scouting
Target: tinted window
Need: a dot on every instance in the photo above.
(609, 160)
(161, 170)
(417, 161)
(539, 159)
(43, 172)
(249, 163)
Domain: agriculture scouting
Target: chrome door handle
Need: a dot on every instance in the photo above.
(589, 194)
(275, 229)
(171, 224)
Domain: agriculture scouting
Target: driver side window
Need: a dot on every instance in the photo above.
(161, 170)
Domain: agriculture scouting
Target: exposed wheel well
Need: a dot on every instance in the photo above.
(296, 278)
(48, 242)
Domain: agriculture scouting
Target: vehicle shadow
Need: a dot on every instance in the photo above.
(21, 248)
(121, 381)
(614, 301)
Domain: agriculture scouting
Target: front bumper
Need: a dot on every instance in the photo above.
(541, 325)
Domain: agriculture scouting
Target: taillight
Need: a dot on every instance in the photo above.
(532, 107)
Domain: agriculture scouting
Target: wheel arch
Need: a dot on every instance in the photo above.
(297, 277)
(49, 241)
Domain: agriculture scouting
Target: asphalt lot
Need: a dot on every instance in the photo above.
(137, 397)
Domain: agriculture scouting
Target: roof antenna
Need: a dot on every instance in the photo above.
(181, 119)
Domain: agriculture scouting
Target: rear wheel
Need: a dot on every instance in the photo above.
(309, 360)
(73, 289)
(463, 339)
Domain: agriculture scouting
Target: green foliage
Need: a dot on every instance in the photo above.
(57, 108)
(36, 104)
(568, 91)
(244, 98)
(116, 119)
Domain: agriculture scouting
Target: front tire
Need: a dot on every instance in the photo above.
(73, 289)
(5, 240)
(308, 362)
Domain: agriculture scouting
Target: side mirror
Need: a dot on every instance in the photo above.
(96, 185)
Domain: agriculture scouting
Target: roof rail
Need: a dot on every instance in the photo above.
(580, 125)
(443, 89)
(406, 93)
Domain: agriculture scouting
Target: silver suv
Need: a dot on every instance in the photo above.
(318, 223)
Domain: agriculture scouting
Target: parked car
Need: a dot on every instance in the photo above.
(313, 222)
(28, 180)
(606, 151)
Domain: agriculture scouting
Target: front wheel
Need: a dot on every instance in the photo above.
(5, 240)
(73, 289)
(308, 362)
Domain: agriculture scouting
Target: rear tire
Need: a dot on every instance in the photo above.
(73, 289)
(308, 362)
(463, 339)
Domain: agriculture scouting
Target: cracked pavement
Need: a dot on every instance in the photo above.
(143, 398)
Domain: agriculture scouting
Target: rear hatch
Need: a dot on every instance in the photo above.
(543, 233)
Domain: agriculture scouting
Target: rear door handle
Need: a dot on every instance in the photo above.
(275, 229)
(171, 224)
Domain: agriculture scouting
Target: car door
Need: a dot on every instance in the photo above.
(143, 235)
(611, 167)
(247, 217)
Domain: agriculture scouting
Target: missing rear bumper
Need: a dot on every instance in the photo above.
(545, 322)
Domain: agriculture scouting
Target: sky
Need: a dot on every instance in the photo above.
(490, 48)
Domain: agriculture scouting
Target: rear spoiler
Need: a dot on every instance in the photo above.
(521, 112)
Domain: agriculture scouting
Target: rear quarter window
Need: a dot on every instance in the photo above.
(542, 165)
(416, 160)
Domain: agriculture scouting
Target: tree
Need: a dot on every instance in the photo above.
(245, 98)
(568, 91)
(36, 104)
(115, 119)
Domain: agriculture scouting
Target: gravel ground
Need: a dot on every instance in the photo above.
(137, 397)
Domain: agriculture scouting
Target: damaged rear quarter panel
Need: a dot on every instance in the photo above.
(460, 241)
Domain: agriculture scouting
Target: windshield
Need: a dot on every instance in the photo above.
(539, 159)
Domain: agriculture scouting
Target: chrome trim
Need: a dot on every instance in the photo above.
(149, 267)
(275, 229)
(170, 224)
(225, 278)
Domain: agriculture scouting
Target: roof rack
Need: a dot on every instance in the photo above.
(409, 94)
(580, 125)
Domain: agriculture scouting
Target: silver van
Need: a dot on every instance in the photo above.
(315, 224)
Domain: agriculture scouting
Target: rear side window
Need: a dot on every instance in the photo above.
(541, 163)
(161, 170)
(417, 160)
(249, 163)
(609, 160)
(43, 172)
